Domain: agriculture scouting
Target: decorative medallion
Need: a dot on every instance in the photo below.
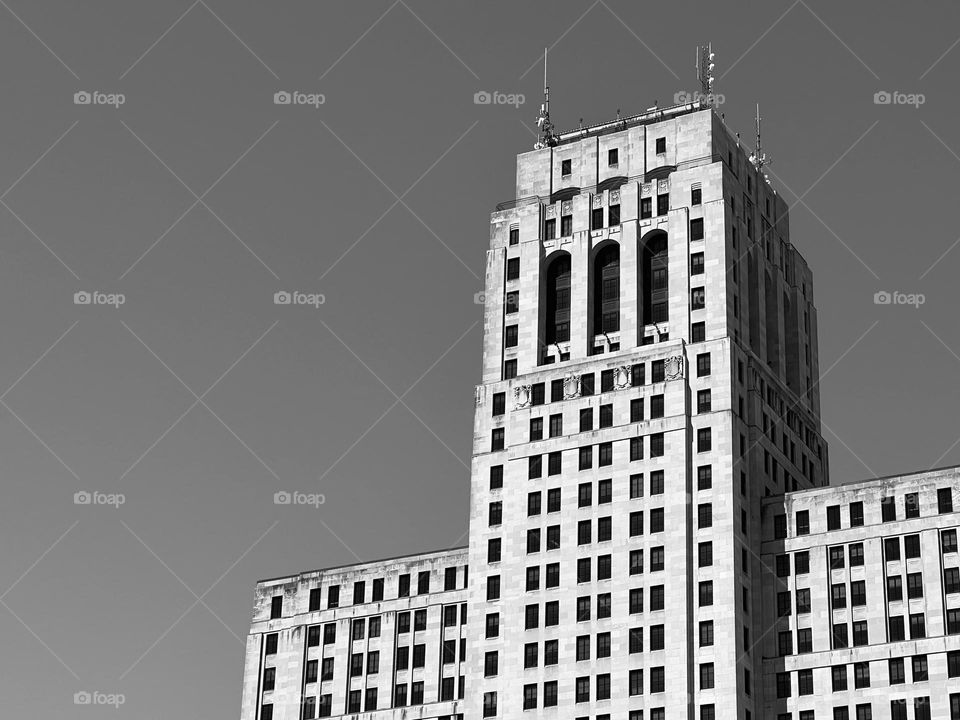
(551, 210)
(614, 196)
(571, 387)
(567, 207)
(663, 186)
(598, 201)
(645, 190)
(521, 396)
(621, 377)
(673, 367)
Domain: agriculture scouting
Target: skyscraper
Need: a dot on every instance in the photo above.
(649, 367)
(648, 403)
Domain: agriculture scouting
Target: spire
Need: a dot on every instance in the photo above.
(705, 73)
(759, 157)
(547, 136)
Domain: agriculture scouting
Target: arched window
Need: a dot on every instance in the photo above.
(655, 282)
(606, 290)
(558, 299)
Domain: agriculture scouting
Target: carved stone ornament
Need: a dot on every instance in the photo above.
(598, 201)
(521, 396)
(551, 210)
(614, 196)
(479, 393)
(571, 387)
(673, 367)
(621, 378)
(645, 190)
(663, 185)
(567, 207)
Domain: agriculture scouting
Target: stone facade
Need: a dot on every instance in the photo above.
(862, 598)
(638, 424)
(344, 640)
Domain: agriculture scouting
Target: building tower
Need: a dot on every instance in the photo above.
(649, 368)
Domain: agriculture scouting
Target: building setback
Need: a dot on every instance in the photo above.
(648, 407)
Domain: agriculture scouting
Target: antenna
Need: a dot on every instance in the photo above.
(705, 73)
(547, 136)
(759, 157)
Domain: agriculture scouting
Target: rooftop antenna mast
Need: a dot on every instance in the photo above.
(547, 136)
(705, 73)
(759, 157)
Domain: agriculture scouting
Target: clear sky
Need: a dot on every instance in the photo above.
(198, 198)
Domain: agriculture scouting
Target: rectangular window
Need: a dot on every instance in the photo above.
(888, 509)
(566, 226)
(696, 264)
(945, 500)
(513, 268)
(698, 298)
(646, 208)
(698, 332)
(856, 514)
(596, 219)
(704, 477)
(896, 674)
(606, 416)
(663, 204)
(703, 364)
(833, 517)
(696, 229)
(703, 440)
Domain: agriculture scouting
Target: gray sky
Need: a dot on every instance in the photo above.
(199, 398)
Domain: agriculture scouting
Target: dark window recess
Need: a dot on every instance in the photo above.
(606, 306)
(696, 229)
(558, 299)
